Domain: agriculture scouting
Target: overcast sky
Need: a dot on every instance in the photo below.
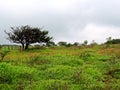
(66, 20)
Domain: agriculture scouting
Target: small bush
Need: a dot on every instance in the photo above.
(73, 63)
(115, 84)
(85, 55)
(36, 60)
(5, 87)
(88, 78)
(3, 54)
(10, 74)
(59, 72)
(7, 73)
(115, 73)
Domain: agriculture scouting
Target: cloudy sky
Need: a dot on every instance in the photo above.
(66, 20)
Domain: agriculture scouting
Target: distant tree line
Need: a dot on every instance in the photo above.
(113, 41)
(27, 35)
(63, 43)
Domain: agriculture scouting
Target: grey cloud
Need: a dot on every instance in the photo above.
(63, 20)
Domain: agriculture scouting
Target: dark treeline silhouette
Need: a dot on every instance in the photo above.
(113, 41)
(26, 35)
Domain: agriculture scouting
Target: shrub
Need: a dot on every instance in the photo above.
(73, 62)
(36, 60)
(5, 87)
(115, 73)
(11, 74)
(3, 54)
(85, 55)
(59, 72)
(115, 84)
(7, 73)
(88, 78)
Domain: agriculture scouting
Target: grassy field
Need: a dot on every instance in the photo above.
(61, 68)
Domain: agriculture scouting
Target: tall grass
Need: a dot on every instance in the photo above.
(61, 68)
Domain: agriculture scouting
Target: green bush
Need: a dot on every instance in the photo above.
(3, 53)
(5, 87)
(115, 84)
(59, 72)
(36, 60)
(11, 75)
(86, 55)
(74, 62)
(89, 78)
(66, 60)
(7, 73)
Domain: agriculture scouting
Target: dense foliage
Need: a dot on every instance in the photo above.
(113, 41)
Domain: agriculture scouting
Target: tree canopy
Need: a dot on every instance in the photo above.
(62, 43)
(27, 35)
(113, 41)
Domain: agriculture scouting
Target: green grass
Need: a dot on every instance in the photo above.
(61, 68)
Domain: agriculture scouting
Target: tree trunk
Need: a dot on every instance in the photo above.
(26, 46)
(23, 46)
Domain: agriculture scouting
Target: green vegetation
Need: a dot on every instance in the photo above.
(113, 41)
(26, 35)
(94, 67)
